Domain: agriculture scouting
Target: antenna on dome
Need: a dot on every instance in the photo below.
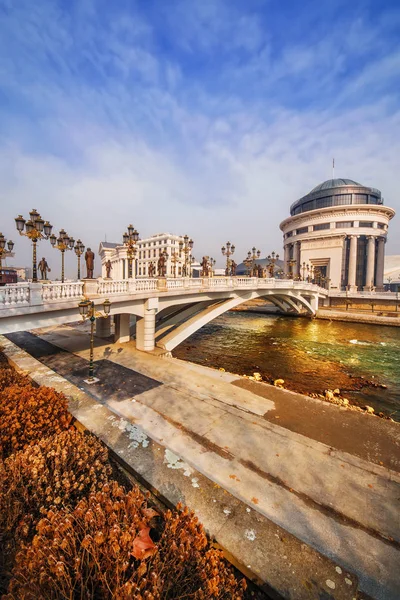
(333, 168)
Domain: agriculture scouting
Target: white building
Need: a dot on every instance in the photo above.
(339, 229)
(147, 251)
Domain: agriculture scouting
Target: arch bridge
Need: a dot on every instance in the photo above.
(161, 312)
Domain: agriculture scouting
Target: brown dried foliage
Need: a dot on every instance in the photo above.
(91, 552)
(28, 413)
(58, 471)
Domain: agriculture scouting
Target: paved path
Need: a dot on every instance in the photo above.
(334, 496)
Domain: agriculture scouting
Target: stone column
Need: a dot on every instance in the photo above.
(297, 257)
(103, 327)
(369, 277)
(122, 328)
(145, 331)
(146, 326)
(286, 260)
(351, 279)
(380, 260)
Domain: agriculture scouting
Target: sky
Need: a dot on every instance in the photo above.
(205, 117)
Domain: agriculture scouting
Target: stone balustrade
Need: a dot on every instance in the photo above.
(33, 294)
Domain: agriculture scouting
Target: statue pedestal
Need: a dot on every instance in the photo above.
(89, 286)
(162, 284)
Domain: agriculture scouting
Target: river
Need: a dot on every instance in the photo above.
(310, 355)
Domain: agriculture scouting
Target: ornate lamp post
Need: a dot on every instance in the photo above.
(63, 242)
(291, 264)
(87, 311)
(175, 257)
(252, 257)
(303, 268)
(79, 250)
(228, 251)
(35, 229)
(186, 246)
(130, 238)
(211, 264)
(272, 258)
(4, 252)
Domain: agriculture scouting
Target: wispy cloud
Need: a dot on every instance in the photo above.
(208, 117)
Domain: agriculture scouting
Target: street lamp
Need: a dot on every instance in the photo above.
(291, 264)
(228, 251)
(175, 258)
(186, 246)
(62, 243)
(35, 229)
(252, 256)
(211, 264)
(79, 250)
(87, 311)
(130, 238)
(272, 258)
(4, 252)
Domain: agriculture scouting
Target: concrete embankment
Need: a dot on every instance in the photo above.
(295, 489)
(357, 317)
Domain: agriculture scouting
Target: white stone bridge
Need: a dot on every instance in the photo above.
(167, 311)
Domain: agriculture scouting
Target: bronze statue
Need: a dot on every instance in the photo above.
(44, 268)
(204, 266)
(233, 268)
(89, 258)
(108, 266)
(152, 269)
(162, 267)
(260, 273)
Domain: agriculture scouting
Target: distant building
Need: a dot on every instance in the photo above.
(23, 273)
(147, 251)
(339, 229)
(392, 273)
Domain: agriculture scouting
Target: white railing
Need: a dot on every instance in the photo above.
(54, 292)
(112, 287)
(14, 295)
(34, 294)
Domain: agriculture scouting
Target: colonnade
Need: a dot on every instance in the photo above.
(374, 267)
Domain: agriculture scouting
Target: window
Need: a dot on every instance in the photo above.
(360, 198)
(289, 234)
(321, 226)
(310, 205)
(154, 253)
(373, 200)
(381, 226)
(344, 224)
(366, 224)
(324, 202)
(302, 230)
(297, 210)
(140, 270)
(342, 199)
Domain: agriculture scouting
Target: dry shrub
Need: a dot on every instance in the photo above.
(9, 376)
(28, 413)
(103, 550)
(58, 471)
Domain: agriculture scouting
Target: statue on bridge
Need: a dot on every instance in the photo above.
(152, 269)
(162, 265)
(89, 258)
(204, 266)
(108, 266)
(44, 268)
(233, 268)
(260, 272)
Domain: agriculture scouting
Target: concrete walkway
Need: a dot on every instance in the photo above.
(339, 498)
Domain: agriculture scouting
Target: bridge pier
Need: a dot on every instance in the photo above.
(146, 326)
(103, 327)
(122, 328)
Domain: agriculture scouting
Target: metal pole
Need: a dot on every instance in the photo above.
(91, 364)
(34, 269)
(79, 267)
(62, 266)
(129, 267)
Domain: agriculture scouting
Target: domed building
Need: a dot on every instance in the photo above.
(336, 234)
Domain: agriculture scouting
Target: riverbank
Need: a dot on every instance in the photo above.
(311, 356)
(193, 432)
(357, 317)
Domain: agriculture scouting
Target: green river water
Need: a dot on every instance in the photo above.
(310, 355)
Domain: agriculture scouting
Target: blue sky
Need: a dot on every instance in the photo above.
(202, 116)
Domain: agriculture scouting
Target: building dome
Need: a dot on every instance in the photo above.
(334, 183)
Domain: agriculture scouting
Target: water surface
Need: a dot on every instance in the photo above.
(310, 355)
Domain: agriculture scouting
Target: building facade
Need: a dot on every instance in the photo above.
(147, 251)
(338, 233)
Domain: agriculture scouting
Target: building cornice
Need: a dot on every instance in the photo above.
(349, 210)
